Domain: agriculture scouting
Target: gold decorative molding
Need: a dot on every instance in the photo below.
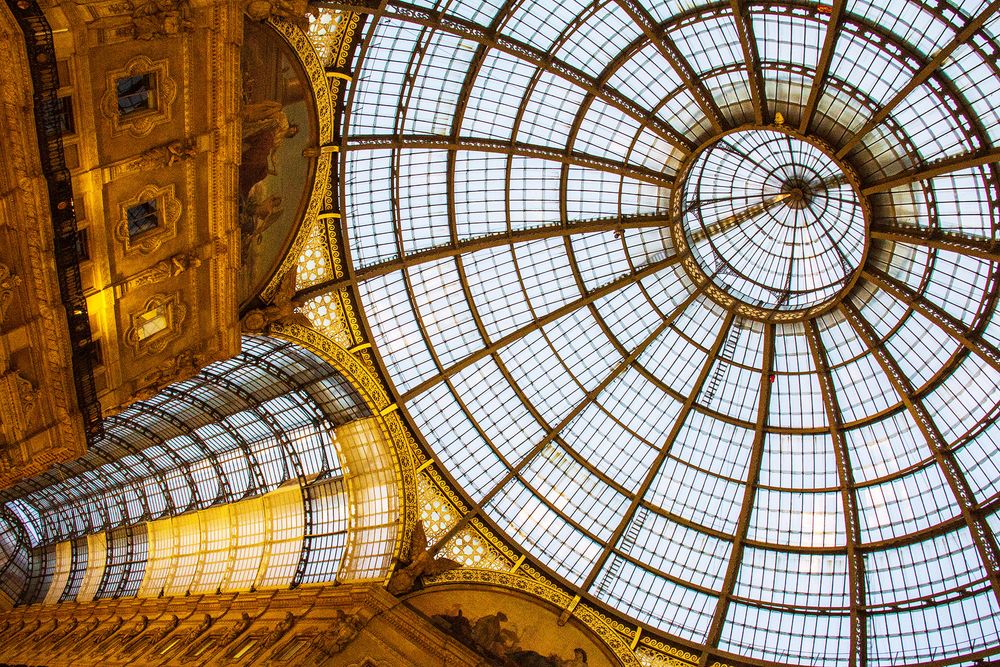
(167, 268)
(660, 653)
(437, 512)
(8, 283)
(325, 108)
(332, 33)
(173, 311)
(377, 399)
(470, 549)
(595, 623)
(140, 123)
(326, 314)
(169, 211)
(17, 398)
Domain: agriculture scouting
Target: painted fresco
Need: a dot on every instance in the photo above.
(509, 629)
(275, 173)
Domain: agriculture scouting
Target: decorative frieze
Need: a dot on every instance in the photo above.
(8, 283)
(162, 270)
(158, 157)
(17, 398)
(162, 92)
(157, 19)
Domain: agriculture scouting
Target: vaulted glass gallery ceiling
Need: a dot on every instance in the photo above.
(697, 303)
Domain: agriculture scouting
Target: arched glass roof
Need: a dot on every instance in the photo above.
(697, 303)
(238, 431)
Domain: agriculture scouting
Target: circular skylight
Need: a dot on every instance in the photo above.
(772, 220)
(766, 435)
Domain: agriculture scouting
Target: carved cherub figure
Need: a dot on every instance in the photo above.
(178, 151)
(235, 631)
(161, 18)
(291, 10)
(140, 626)
(165, 630)
(111, 629)
(272, 637)
(342, 632)
(198, 630)
(420, 564)
(282, 308)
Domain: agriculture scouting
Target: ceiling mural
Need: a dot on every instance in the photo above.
(510, 629)
(280, 133)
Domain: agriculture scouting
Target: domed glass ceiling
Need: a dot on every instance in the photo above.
(697, 304)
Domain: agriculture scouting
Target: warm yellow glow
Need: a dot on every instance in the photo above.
(97, 554)
(326, 315)
(436, 513)
(60, 575)
(375, 511)
(251, 543)
(314, 264)
(324, 24)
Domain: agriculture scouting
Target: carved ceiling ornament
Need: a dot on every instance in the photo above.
(162, 270)
(8, 283)
(291, 10)
(344, 628)
(157, 157)
(157, 19)
(281, 309)
(168, 208)
(17, 398)
(163, 93)
(155, 324)
(421, 562)
(319, 88)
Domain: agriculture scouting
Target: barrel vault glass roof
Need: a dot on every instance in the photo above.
(718, 459)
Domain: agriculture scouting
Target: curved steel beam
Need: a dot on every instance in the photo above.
(749, 493)
(544, 61)
(457, 248)
(558, 313)
(511, 148)
(982, 535)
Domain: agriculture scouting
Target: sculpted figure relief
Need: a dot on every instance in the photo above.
(282, 308)
(76, 639)
(272, 637)
(488, 637)
(105, 633)
(158, 156)
(421, 563)
(342, 632)
(137, 629)
(235, 631)
(64, 630)
(8, 284)
(198, 630)
(161, 18)
(161, 633)
(292, 10)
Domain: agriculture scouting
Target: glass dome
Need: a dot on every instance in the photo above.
(697, 304)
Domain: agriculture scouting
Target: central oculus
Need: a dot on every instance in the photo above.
(772, 220)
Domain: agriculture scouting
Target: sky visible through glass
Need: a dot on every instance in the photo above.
(710, 458)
